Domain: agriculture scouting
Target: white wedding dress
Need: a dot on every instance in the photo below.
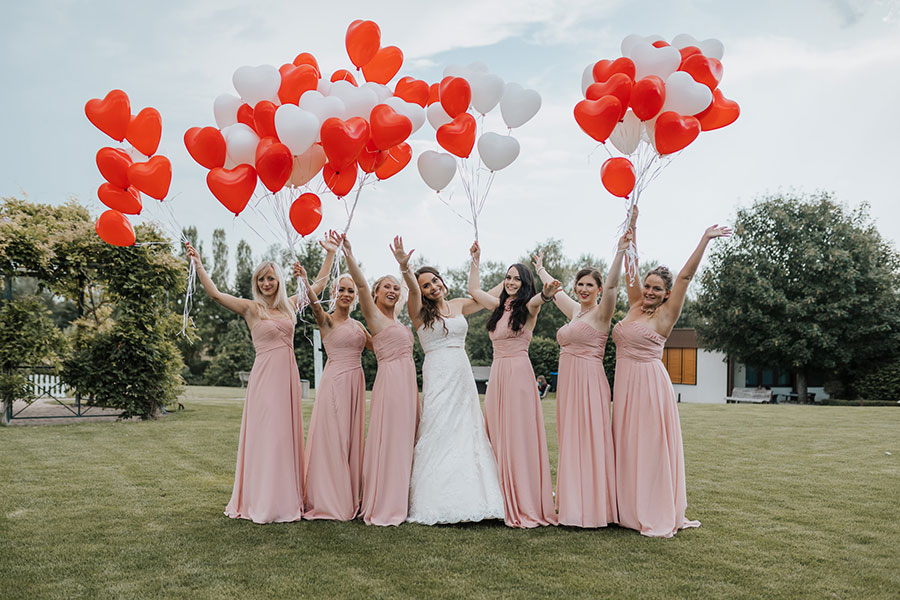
(454, 476)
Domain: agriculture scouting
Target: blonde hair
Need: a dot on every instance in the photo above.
(281, 305)
(380, 280)
(337, 284)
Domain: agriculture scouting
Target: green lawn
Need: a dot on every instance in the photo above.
(796, 502)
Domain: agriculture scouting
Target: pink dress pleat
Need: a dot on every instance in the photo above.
(335, 441)
(586, 473)
(515, 426)
(650, 486)
(387, 461)
(268, 477)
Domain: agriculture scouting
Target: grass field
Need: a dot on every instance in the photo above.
(796, 502)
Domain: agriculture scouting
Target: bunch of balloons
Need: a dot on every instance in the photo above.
(457, 107)
(651, 102)
(288, 125)
(128, 171)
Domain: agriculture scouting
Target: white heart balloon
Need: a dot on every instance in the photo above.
(497, 151)
(711, 48)
(650, 60)
(627, 134)
(487, 89)
(518, 105)
(255, 84)
(296, 128)
(410, 110)
(307, 165)
(630, 41)
(324, 87)
(587, 78)
(436, 168)
(321, 106)
(649, 133)
(685, 96)
(382, 92)
(358, 102)
(240, 143)
(437, 116)
(225, 110)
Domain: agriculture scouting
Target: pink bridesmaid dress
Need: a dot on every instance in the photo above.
(268, 478)
(393, 413)
(335, 441)
(515, 426)
(586, 473)
(650, 488)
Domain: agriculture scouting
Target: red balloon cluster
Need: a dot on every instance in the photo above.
(658, 93)
(126, 179)
(291, 123)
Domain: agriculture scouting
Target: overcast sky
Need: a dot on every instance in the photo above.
(817, 81)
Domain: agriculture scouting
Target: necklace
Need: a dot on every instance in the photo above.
(582, 313)
(449, 311)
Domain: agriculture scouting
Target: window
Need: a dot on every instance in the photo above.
(681, 363)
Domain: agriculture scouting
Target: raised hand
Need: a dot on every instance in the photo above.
(715, 232)
(626, 238)
(475, 252)
(331, 242)
(298, 269)
(551, 288)
(192, 254)
(538, 261)
(346, 245)
(400, 255)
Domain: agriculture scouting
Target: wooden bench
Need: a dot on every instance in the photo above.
(244, 376)
(753, 395)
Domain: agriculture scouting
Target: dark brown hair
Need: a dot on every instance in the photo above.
(593, 272)
(663, 273)
(519, 304)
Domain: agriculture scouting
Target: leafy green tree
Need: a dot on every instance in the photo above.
(244, 271)
(804, 285)
(234, 353)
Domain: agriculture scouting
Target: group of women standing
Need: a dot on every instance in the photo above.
(445, 461)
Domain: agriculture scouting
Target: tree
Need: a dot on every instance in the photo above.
(805, 284)
(244, 271)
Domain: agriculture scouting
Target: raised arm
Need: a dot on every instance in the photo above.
(564, 303)
(318, 312)
(545, 295)
(480, 296)
(370, 311)
(232, 303)
(611, 289)
(633, 284)
(414, 301)
(330, 244)
(675, 302)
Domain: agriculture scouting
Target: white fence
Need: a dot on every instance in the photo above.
(47, 385)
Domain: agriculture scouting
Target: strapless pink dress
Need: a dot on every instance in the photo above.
(650, 488)
(393, 413)
(586, 473)
(515, 426)
(335, 440)
(268, 477)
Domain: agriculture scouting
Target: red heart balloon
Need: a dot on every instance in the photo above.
(306, 213)
(344, 140)
(617, 175)
(340, 182)
(456, 94)
(720, 113)
(152, 177)
(343, 75)
(114, 228)
(598, 117)
(305, 58)
(434, 93)
(458, 136)
(371, 157)
(604, 69)
(110, 115)
(674, 132)
(412, 90)
(707, 71)
(397, 158)
(295, 81)
(274, 165)
(647, 97)
(384, 65)
(619, 85)
(125, 201)
(245, 116)
(264, 119)
(144, 131)
(232, 187)
(363, 41)
(113, 164)
(206, 146)
(388, 127)
(689, 51)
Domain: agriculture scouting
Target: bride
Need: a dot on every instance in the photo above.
(454, 476)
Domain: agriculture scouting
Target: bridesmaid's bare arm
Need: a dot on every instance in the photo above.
(611, 289)
(480, 296)
(240, 306)
(563, 302)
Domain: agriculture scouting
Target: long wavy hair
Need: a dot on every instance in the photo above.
(430, 313)
(282, 305)
(519, 303)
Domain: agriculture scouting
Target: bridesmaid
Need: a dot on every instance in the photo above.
(393, 412)
(585, 473)
(650, 486)
(268, 477)
(515, 423)
(335, 441)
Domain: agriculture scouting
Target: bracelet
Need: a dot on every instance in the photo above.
(545, 298)
(405, 271)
